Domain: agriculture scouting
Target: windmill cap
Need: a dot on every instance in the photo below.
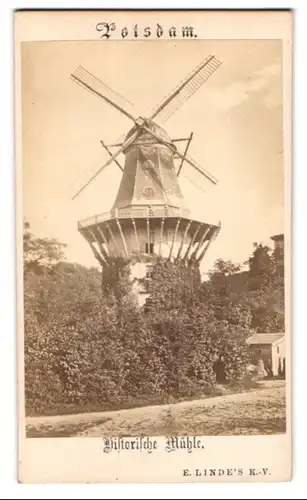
(146, 137)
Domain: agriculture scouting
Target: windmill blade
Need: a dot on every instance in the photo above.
(110, 154)
(186, 89)
(193, 183)
(185, 153)
(111, 159)
(196, 180)
(91, 83)
(200, 169)
(85, 172)
(186, 158)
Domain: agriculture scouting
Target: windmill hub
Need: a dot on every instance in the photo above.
(146, 137)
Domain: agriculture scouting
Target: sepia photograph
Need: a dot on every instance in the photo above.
(155, 234)
(153, 267)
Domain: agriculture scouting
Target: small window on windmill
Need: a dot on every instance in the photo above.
(149, 246)
(148, 165)
(148, 192)
(148, 272)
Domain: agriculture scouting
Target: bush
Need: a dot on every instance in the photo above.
(88, 347)
(88, 352)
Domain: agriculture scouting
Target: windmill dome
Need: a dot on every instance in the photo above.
(156, 129)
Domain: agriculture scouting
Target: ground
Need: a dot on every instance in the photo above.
(260, 411)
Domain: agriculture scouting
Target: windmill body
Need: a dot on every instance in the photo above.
(149, 219)
(149, 176)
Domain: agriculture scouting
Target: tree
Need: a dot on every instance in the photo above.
(253, 298)
(173, 286)
(195, 325)
(223, 268)
(70, 334)
(266, 290)
(225, 294)
(40, 254)
(262, 266)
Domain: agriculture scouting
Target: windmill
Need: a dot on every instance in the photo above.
(149, 219)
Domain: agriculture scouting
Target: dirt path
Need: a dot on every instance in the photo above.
(243, 413)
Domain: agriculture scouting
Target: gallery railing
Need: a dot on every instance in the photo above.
(135, 213)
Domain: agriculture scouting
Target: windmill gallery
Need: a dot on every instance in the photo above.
(149, 219)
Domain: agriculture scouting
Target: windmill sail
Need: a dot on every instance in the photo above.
(186, 158)
(169, 105)
(111, 159)
(186, 89)
(91, 83)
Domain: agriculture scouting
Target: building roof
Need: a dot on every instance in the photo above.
(265, 338)
(277, 237)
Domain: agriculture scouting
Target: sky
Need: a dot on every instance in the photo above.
(236, 118)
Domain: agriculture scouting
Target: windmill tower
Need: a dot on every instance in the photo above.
(149, 219)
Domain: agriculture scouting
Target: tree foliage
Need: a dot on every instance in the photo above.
(173, 286)
(40, 254)
(266, 289)
(196, 334)
(88, 346)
